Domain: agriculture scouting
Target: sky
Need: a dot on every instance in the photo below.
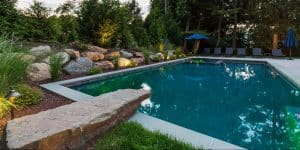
(53, 4)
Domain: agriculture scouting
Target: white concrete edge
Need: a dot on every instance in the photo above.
(194, 138)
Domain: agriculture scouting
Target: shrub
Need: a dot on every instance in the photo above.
(94, 70)
(56, 65)
(116, 62)
(12, 68)
(29, 95)
(146, 56)
(5, 106)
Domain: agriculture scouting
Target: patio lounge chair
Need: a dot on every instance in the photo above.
(229, 52)
(257, 52)
(277, 53)
(206, 51)
(241, 52)
(217, 51)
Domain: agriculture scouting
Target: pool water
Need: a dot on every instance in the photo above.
(249, 105)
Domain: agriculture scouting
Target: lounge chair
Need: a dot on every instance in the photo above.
(241, 52)
(217, 51)
(229, 52)
(277, 53)
(257, 52)
(206, 51)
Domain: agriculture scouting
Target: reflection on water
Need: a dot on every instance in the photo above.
(244, 73)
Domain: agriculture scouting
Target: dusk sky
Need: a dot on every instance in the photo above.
(53, 4)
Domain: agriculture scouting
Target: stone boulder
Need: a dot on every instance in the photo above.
(94, 56)
(138, 61)
(138, 54)
(40, 50)
(124, 62)
(39, 72)
(75, 125)
(30, 58)
(157, 57)
(112, 55)
(64, 55)
(80, 65)
(93, 48)
(104, 65)
(73, 54)
(126, 54)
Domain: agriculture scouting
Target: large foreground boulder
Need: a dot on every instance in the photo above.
(39, 72)
(73, 126)
(42, 50)
(139, 60)
(80, 65)
(104, 65)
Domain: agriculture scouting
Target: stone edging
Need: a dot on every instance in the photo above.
(73, 126)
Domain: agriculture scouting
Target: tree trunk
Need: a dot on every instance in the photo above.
(187, 27)
(219, 31)
(235, 26)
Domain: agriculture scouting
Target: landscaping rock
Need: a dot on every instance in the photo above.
(138, 54)
(126, 54)
(64, 55)
(39, 72)
(94, 56)
(80, 65)
(112, 55)
(124, 62)
(97, 49)
(30, 58)
(73, 126)
(138, 61)
(40, 50)
(160, 55)
(104, 65)
(73, 54)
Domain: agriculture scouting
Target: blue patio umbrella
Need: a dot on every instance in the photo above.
(291, 40)
(197, 36)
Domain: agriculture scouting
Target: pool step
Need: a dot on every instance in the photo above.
(198, 140)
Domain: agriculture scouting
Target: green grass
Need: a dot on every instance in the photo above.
(132, 136)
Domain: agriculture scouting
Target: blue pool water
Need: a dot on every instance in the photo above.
(249, 105)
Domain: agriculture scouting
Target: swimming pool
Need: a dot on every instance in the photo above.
(246, 104)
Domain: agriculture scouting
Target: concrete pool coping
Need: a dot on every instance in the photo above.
(287, 68)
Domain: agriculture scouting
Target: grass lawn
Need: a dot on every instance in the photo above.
(132, 136)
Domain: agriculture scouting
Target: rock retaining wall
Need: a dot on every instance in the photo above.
(73, 126)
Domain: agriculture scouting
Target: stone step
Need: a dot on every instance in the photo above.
(72, 126)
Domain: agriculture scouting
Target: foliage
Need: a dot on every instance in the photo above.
(56, 65)
(12, 69)
(129, 136)
(107, 32)
(94, 70)
(115, 61)
(29, 95)
(5, 106)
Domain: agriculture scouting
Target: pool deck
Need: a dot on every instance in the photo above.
(290, 69)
